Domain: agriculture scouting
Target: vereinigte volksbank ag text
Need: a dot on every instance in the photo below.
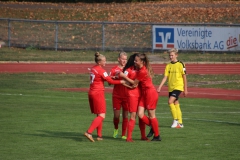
(192, 43)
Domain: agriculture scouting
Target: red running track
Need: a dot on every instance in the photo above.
(83, 68)
(78, 68)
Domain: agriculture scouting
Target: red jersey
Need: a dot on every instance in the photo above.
(97, 77)
(132, 74)
(149, 97)
(118, 90)
(144, 78)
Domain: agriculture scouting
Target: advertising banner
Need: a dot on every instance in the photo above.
(197, 38)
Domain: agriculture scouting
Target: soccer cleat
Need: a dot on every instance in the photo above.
(115, 133)
(129, 140)
(89, 136)
(99, 138)
(150, 134)
(180, 125)
(158, 138)
(175, 123)
(124, 137)
(145, 139)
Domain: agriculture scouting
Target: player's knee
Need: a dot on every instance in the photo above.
(140, 114)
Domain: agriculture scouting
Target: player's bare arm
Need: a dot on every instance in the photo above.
(127, 85)
(136, 82)
(185, 92)
(121, 74)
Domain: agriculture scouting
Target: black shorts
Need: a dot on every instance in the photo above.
(175, 93)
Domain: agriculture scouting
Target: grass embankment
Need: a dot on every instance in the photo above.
(190, 11)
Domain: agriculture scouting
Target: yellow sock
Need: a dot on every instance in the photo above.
(173, 111)
(179, 113)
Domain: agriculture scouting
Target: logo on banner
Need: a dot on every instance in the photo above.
(232, 42)
(164, 38)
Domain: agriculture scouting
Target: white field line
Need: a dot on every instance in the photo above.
(202, 93)
(215, 121)
(26, 95)
(203, 113)
(193, 105)
(207, 93)
(215, 94)
(206, 120)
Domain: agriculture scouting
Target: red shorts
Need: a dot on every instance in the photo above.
(149, 99)
(119, 102)
(133, 103)
(97, 102)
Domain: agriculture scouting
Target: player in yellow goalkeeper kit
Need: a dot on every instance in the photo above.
(175, 72)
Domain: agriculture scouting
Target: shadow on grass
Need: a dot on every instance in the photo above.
(136, 125)
(58, 134)
(76, 136)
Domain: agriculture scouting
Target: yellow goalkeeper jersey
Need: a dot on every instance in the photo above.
(175, 71)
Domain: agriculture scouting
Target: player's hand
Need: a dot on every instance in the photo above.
(158, 89)
(113, 77)
(135, 85)
(185, 93)
(123, 82)
(121, 74)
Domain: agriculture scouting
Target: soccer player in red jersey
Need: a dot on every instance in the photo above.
(133, 95)
(96, 95)
(149, 96)
(119, 97)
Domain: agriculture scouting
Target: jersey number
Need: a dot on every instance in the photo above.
(92, 77)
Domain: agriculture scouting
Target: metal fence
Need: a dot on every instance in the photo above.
(81, 35)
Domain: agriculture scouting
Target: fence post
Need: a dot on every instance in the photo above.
(103, 37)
(152, 37)
(9, 33)
(56, 36)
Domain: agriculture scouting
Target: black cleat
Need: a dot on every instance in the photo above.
(158, 138)
(150, 134)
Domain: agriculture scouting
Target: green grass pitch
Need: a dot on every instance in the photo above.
(37, 122)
